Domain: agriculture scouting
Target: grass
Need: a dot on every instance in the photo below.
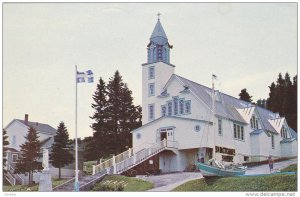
(122, 183)
(259, 183)
(291, 168)
(34, 187)
(253, 183)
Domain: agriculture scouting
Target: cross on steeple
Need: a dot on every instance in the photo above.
(158, 15)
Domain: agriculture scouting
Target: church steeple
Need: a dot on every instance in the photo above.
(159, 47)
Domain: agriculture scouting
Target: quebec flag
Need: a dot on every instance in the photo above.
(87, 76)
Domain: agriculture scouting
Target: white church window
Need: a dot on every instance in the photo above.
(175, 102)
(151, 72)
(254, 122)
(238, 132)
(181, 106)
(272, 141)
(151, 112)
(220, 126)
(169, 108)
(283, 132)
(163, 110)
(151, 89)
(187, 107)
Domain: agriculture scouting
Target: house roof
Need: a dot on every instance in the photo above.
(293, 133)
(5, 149)
(40, 127)
(226, 106)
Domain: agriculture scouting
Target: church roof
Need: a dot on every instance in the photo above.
(158, 31)
(227, 105)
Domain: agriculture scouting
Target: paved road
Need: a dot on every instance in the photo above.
(264, 169)
(167, 182)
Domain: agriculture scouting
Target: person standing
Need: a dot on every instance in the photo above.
(271, 163)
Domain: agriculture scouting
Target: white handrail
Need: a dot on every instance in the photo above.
(129, 158)
(17, 175)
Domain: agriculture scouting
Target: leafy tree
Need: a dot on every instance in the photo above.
(261, 103)
(5, 143)
(244, 95)
(30, 153)
(60, 155)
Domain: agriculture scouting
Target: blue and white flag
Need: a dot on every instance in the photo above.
(83, 77)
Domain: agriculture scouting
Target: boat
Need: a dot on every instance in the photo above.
(215, 168)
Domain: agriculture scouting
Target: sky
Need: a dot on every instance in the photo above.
(245, 44)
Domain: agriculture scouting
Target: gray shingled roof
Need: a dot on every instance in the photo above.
(293, 133)
(257, 132)
(227, 105)
(40, 127)
(158, 31)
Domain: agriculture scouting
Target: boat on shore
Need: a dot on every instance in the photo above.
(215, 168)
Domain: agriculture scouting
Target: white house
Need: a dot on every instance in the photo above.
(17, 129)
(199, 125)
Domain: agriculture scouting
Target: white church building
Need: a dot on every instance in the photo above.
(184, 122)
(198, 125)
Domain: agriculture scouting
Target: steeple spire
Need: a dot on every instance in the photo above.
(159, 47)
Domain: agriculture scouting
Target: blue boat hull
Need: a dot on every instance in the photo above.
(208, 170)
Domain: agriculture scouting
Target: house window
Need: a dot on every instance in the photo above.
(163, 110)
(220, 126)
(181, 106)
(238, 132)
(272, 141)
(246, 158)
(197, 128)
(138, 136)
(169, 108)
(151, 112)
(14, 158)
(14, 140)
(151, 72)
(151, 89)
(175, 101)
(187, 107)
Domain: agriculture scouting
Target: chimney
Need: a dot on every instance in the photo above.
(26, 119)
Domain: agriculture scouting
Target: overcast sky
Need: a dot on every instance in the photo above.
(245, 44)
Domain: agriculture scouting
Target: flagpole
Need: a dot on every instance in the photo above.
(76, 184)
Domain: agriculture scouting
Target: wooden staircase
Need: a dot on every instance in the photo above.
(128, 159)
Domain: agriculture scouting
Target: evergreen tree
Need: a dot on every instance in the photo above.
(30, 153)
(123, 114)
(5, 143)
(272, 97)
(97, 146)
(60, 155)
(244, 95)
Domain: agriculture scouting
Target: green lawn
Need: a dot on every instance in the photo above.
(122, 183)
(35, 187)
(251, 183)
(255, 183)
(291, 168)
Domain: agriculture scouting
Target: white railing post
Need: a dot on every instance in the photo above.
(94, 169)
(114, 164)
(165, 142)
(130, 152)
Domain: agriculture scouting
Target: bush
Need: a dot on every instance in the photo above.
(108, 187)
